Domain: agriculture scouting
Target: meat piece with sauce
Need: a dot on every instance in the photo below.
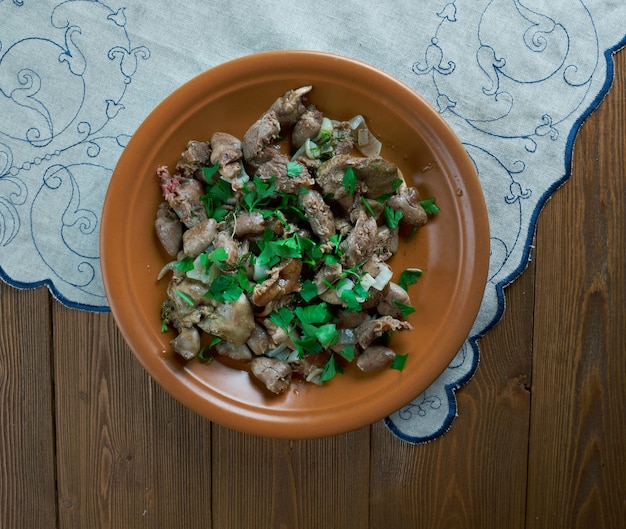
(407, 201)
(274, 374)
(183, 196)
(257, 139)
(226, 151)
(276, 169)
(319, 214)
(360, 244)
(196, 156)
(307, 127)
(290, 106)
(325, 225)
(370, 330)
(169, 229)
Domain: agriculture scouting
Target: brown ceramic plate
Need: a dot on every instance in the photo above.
(452, 250)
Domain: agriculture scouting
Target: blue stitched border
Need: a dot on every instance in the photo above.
(473, 340)
(53, 290)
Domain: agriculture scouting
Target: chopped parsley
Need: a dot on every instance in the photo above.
(409, 277)
(185, 264)
(392, 216)
(367, 206)
(350, 299)
(204, 353)
(218, 256)
(258, 195)
(405, 309)
(210, 172)
(225, 288)
(282, 317)
(398, 362)
(294, 169)
(216, 196)
(308, 291)
(308, 317)
(348, 353)
(430, 207)
(185, 298)
(349, 180)
(331, 368)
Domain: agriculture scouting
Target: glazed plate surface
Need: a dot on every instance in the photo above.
(452, 249)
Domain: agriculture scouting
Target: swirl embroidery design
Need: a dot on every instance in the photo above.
(512, 91)
(59, 139)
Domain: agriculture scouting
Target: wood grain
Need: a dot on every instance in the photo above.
(291, 484)
(474, 476)
(579, 403)
(27, 441)
(128, 455)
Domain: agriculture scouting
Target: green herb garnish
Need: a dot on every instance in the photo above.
(283, 317)
(185, 298)
(215, 197)
(218, 256)
(259, 194)
(430, 207)
(185, 264)
(330, 369)
(327, 334)
(405, 309)
(392, 217)
(224, 288)
(348, 353)
(349, 181)
(308, 290)
(409, 277)
(398, 362)
(294, 169)
(209, 172)
(367, 206)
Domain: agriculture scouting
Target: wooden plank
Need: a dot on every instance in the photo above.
(260, 482)
(475, 475)
(128, 455)
(27, 470)
(577, 464)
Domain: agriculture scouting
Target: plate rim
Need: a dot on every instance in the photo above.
(259, 423)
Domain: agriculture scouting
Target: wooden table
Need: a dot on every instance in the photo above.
(88, 441)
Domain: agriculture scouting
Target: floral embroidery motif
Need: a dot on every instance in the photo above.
(58, 135)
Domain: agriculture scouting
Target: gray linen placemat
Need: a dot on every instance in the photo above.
(515, 79)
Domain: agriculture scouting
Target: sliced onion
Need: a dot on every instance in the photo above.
(346, 284)
(343, 285)
(383, 277)
(311, 149)
(273, 353)
(260, 271)
(326, 130)
(366, 142)
(315, 376)
(301, 151)
(294, 356)
(356, 121)
(200, 273)
(169, 266)
(367, 281)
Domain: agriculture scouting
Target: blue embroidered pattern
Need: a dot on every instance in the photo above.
(518, 84)
(54, 149)
(514, 79)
